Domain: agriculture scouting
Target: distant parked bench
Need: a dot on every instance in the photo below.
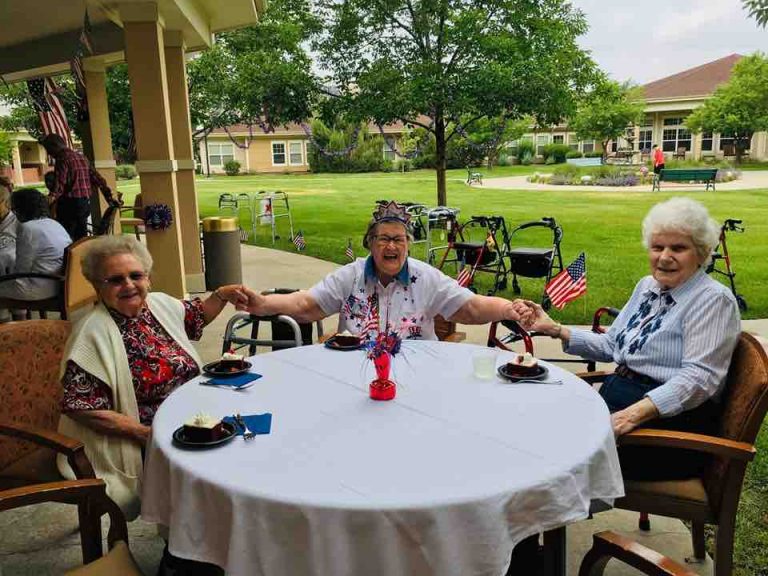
(705, 175)
(474, 177)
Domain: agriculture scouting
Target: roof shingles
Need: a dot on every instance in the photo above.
(699, 81)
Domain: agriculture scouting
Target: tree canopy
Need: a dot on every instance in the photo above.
(758, 9)
(445, 64)
(605, 113)
(738, 108)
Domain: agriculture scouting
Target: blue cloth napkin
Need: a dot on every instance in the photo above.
(257, 423)
(233, 381)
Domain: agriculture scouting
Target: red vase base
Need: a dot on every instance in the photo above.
(382, 389)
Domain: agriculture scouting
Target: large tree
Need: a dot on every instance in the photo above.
(445, 64)
(738, 108)
(605, 113)
(758, 9)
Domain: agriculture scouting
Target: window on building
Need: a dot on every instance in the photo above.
(573, 142)
(278, 153)
(296, 157)
(706, 141)
(390, 145)
(541, 141)
(645, 139)
(675, 135)
(558, 139)
(220, 154)
(588, 146)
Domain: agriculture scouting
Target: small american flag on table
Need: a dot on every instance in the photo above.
(569, 284)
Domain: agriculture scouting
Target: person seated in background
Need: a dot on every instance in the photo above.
(672, 341)
(388, 291)
(124, 358)
(8, 231)
(40, 245)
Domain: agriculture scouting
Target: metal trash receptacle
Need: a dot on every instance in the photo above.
(221, 250)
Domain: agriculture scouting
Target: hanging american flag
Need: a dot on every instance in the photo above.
(298, 241)
(49, 108)
(349, 253)
(569, 284)
(465, 276)
(84, 48)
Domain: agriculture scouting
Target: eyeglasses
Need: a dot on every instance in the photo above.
(384, 240)
(120, 279)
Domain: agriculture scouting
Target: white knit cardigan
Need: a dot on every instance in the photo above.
(96, 345)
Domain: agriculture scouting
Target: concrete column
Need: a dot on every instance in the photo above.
(182, 146)
(18, 173)
(156, 164)
(99, 129)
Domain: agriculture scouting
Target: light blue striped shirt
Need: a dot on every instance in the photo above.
(682, 337)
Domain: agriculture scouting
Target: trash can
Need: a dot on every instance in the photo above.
(221, 249)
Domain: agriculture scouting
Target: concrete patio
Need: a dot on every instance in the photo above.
(42, 540)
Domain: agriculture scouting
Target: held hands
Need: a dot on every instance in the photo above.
(252, 303)
(235, 294)
(537, 320)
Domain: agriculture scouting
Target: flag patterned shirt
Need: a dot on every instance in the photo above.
(408, 304)
(74, 177)
(682, 337)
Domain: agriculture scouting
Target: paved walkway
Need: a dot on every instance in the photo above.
(41, 541)
(749, 181)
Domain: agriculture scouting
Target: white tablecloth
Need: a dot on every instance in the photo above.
(443, 480)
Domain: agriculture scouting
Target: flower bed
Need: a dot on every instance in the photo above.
(569, 175)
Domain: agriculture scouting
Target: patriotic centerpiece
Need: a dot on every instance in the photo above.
(380, 350)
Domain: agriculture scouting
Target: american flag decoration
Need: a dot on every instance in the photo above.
(298, 241)
(569, 284)
(349, 253)
(371, 325)
(84, 48)
(43, 92)
(465, 276)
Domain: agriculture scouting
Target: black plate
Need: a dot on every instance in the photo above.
(180, 440)
(212, 369)
(541, 374)
(331, 343)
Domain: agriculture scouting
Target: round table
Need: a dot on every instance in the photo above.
(443, 480)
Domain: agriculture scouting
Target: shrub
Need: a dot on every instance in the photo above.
(232, 167)
(593, 154)
(567, 170)
(503, 160)
(125, 172)
(574, 154)
(617, 180)
(557, 152)
(526, 159)
(525, 148)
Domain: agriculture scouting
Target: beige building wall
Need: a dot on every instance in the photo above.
(263, 160)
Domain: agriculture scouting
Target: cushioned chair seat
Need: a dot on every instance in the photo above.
(691, 491)
(117, 562)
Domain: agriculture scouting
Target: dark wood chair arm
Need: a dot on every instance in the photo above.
(72, 449)
(689, 440)
(65, 491)
(594, 377)
(607, 545)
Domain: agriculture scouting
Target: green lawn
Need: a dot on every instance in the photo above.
(330, 209)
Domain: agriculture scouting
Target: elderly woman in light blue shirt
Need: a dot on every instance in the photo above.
(673, 340)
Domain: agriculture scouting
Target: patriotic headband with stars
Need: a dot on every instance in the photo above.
(391, 212)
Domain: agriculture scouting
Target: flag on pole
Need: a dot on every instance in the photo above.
(349, 253)
(465, 276)
(569, 284)
(43, 92)
(298, 241)
(371, 325)
(84, 48)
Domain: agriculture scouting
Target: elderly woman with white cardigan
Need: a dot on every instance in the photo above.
(124, 358)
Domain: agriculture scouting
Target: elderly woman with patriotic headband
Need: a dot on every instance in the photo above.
(388, 290)
(672, 341)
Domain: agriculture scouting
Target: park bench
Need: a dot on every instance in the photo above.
(474, 177)
(706, 175)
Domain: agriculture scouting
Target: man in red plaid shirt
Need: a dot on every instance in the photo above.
(73, 180)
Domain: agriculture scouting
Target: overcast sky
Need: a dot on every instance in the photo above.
(644, 40)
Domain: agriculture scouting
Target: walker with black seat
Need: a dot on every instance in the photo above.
(536, 262)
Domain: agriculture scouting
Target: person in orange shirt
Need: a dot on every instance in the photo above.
(658, 159)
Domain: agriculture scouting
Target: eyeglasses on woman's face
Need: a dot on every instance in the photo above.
(385, 240)
(120, 279)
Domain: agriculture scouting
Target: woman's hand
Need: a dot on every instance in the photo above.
(632, 416)
(232, 293)
(539, 321)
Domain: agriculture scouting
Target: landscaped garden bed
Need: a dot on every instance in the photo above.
(614, 176)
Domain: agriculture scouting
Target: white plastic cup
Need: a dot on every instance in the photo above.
(484, 363)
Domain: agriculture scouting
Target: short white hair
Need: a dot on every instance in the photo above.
(683, 216)
(103, 247)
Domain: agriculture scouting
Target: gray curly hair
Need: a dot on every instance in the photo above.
(683, 216)
(103, 247)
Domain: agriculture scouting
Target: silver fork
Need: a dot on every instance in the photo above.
(247, 434)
